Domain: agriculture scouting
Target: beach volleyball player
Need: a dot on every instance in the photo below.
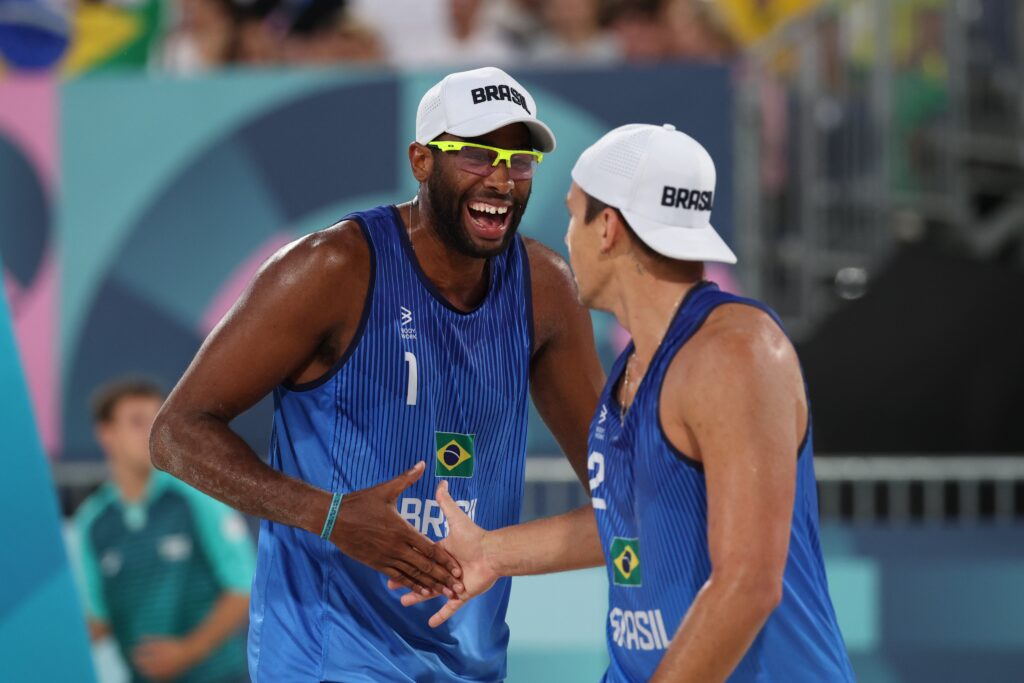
(401, 334)
(702, 476)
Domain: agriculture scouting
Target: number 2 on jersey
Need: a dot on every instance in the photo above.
(595, 464)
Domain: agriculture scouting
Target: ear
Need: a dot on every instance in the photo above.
(421, 161)
(611, 229)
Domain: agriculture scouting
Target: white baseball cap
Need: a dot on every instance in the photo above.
(663, 182)
(472, 103)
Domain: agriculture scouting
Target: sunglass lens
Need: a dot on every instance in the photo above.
(476, 160)
(522, 166)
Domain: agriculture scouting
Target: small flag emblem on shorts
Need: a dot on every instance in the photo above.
(454, 454)
(625, 556)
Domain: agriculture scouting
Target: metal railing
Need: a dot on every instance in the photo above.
(965, 489)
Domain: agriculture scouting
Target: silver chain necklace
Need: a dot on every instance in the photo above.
(623, 406)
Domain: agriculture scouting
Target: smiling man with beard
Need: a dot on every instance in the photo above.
(400, 334)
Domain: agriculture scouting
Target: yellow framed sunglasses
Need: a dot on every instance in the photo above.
(481, 160)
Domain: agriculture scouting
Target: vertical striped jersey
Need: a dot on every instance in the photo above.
(651, 506)
(421, 380)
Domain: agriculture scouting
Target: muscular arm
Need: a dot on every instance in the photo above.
(271, 334)
(734, 400)
(565, 373)
(298, 314)
(544, 546)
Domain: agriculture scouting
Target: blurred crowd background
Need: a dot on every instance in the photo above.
(195, 36)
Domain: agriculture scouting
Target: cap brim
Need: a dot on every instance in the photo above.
(685, 244)
(543, 138)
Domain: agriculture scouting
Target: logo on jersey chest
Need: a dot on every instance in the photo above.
(625, 557)
(405, 323)
(455, 454)
(599, 430)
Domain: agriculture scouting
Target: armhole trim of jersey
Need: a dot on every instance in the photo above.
(358, 336)
(528, 289)
(697, 464)
(807, 427)
(682, 457)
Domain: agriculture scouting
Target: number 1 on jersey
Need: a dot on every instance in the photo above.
(411, 389)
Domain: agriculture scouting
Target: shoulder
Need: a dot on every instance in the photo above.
(298, 285)
(737, 346)
(737, 380)
(742, 333)
(554, 294)
(335, 252)
(547, 268)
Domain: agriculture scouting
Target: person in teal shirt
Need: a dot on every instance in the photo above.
(166, 569)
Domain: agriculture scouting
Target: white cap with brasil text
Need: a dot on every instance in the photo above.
(663, 182)
(473, 103)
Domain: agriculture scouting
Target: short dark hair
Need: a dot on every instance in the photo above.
(596, 206)
(105, 399)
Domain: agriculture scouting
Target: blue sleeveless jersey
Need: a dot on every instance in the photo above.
(651, 507)
(420, 381)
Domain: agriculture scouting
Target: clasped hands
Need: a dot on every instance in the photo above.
(467, 544)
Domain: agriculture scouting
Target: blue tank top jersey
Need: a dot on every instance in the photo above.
(651, 507)
(420, 381)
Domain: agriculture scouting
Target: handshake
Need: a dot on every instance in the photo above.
(469, 560)
(468, 544)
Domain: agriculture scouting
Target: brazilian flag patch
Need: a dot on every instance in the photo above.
(625, 556)
(454, 455)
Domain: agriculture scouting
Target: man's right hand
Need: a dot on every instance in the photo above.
(466, 541)
(369, 529)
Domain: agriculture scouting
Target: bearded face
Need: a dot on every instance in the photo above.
(477, 221)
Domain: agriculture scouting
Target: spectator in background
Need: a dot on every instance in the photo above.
(258, 34)
(473, 37)
(323, 32)
(203, 38)
(435, 33)
(402, 25)
(640, 31)
(697, 31)
(520, 21)
(213, 33)
(574, 33)
(166, 569)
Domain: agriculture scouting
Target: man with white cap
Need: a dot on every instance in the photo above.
(400, 334)
(701, 474)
